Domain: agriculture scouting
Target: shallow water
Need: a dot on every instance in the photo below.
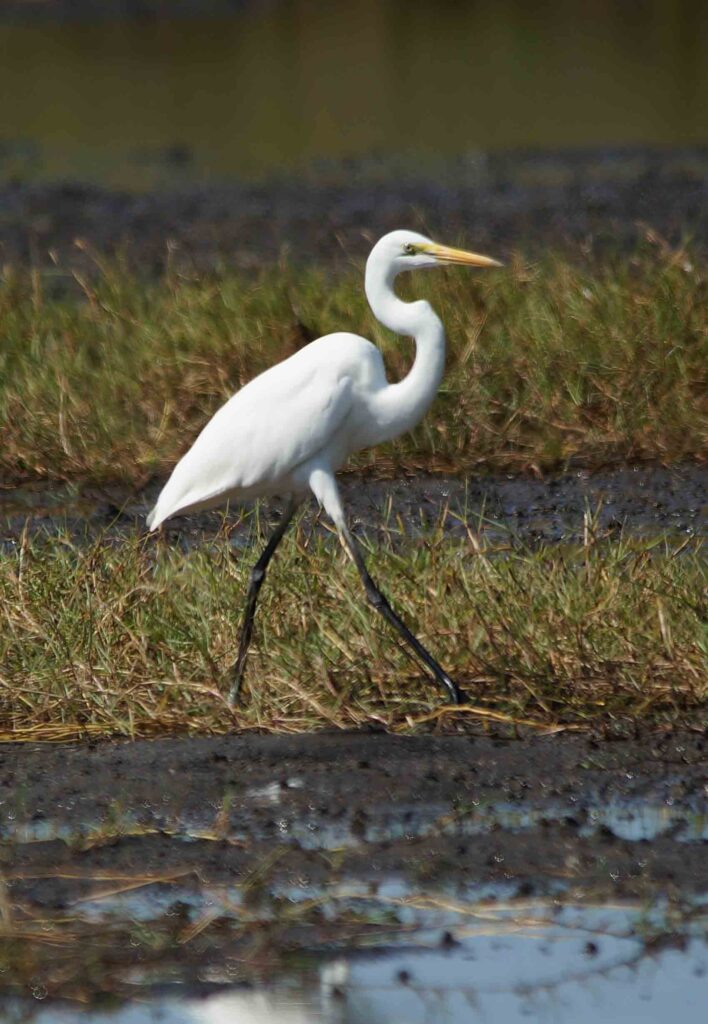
(271, 87)
(503, 963)
(630, 818)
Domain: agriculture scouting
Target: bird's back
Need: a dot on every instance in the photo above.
(281, 419)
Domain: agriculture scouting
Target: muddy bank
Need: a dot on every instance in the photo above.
(592, 200)
(248, 859)
(640, 500)
(532, 811)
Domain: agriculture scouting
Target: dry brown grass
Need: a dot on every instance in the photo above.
(136, 639)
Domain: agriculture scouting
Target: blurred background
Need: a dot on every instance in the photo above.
(496, 95)
(134, 93)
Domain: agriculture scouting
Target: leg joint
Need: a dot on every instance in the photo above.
(257, 575)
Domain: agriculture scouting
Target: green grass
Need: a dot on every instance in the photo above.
(134, 638)
(548, 365)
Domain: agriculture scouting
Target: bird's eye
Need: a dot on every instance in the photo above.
(409, 249)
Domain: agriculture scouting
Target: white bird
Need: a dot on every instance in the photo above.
(294, 425)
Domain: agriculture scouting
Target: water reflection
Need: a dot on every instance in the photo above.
(526, 962)
(276, 86)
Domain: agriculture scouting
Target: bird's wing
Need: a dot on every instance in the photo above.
(276, 422)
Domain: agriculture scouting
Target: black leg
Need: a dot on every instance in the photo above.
(257, 576)
(380, 603)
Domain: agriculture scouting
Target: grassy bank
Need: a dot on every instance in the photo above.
(136, 638)
(547, 364)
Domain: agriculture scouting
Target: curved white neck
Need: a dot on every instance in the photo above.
(400, 406)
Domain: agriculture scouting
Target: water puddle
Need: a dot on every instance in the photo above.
(629, 820)
(633, 819)
(447, 960)
(395, 898)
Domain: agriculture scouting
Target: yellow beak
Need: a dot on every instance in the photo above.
(469, 259)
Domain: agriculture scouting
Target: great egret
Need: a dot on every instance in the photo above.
(294, 425)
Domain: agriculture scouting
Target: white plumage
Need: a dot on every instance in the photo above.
(263, 439)
(294, 425)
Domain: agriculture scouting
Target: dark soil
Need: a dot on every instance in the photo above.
(584, 201)
(427, 808)
(637, 500)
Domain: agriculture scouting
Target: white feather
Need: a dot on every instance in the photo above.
(261, 440)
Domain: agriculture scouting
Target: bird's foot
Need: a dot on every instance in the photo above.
(455, 694)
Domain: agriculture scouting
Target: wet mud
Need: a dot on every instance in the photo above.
(584, 201)
(313, 877)
(640, 500)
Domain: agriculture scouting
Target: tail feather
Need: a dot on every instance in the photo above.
(151, 520)
(171, 502)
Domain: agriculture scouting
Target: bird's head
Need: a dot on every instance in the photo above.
(407, 250)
